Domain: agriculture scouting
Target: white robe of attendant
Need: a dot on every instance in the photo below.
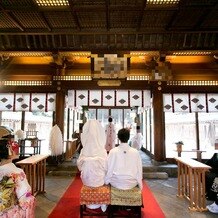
(124, 167)
(137, 141)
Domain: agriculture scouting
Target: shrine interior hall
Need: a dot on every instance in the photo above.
(151, 64)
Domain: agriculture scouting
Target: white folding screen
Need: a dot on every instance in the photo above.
(190, 102)
(125, 98)
(27, 102)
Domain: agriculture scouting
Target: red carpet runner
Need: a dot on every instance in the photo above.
(68, 206)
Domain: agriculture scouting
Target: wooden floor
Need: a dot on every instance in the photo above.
(164, 190)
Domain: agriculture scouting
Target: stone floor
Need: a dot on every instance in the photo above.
(164, 190)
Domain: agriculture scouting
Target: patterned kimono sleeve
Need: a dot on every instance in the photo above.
(214, 187)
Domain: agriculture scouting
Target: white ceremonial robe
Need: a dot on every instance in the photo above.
(93, 170)
(93, 157)
(124, 167)
(137, 141)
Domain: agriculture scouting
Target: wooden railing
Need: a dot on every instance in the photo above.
(198, 152)
(35, 170)
(191, 182)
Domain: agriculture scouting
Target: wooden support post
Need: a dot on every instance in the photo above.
(192, 186)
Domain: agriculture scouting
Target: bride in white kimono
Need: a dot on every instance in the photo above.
(93, 156)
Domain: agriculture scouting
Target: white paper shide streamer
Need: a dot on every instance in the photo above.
(56, 141)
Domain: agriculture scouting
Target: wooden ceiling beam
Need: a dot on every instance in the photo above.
(206, 13)
(12, 19)
(107, 14)
(141, 15)
(111, 41)
(74, 13)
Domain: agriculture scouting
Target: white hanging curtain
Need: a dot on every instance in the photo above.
(193, 102)
(22, 102)
(82, 97)
(212, 102)
(122, 98)
(125, 98)
(50, 102)
(38, 102)
(108, 98)
(27, 102)
(6, 101)
(198, 102)
(135, 98)
(95, 98)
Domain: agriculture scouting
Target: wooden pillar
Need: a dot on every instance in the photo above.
(68, 123)
(159, 145)
(197, 130)
(0, 118)
(59, 110)
(23, 120)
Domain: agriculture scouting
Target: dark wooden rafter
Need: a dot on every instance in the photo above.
(206, 13)
(41, 42)
(138, 41)
(47, 41)
(85, 8)
(200, 20)
(74, 13)
(53, 42)
(27, 42)
(172, 20)
(181, 5)
(45, 21)
(115, 25)
(67, 41)
(141, 15)
(42, 16)
(107, 2)
(10, 16)
(2, 45)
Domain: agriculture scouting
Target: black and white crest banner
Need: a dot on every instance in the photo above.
(125, 98)
(190, 102)
(27, 102)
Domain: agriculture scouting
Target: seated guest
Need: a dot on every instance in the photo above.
(211, 175)
(76, 135)
(93, 156)
(213, 208)
(124, 166)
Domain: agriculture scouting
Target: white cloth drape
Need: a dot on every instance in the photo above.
(56, 141)
(93, 139)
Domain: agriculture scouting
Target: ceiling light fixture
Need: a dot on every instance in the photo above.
(52, 3)
(162, 2)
